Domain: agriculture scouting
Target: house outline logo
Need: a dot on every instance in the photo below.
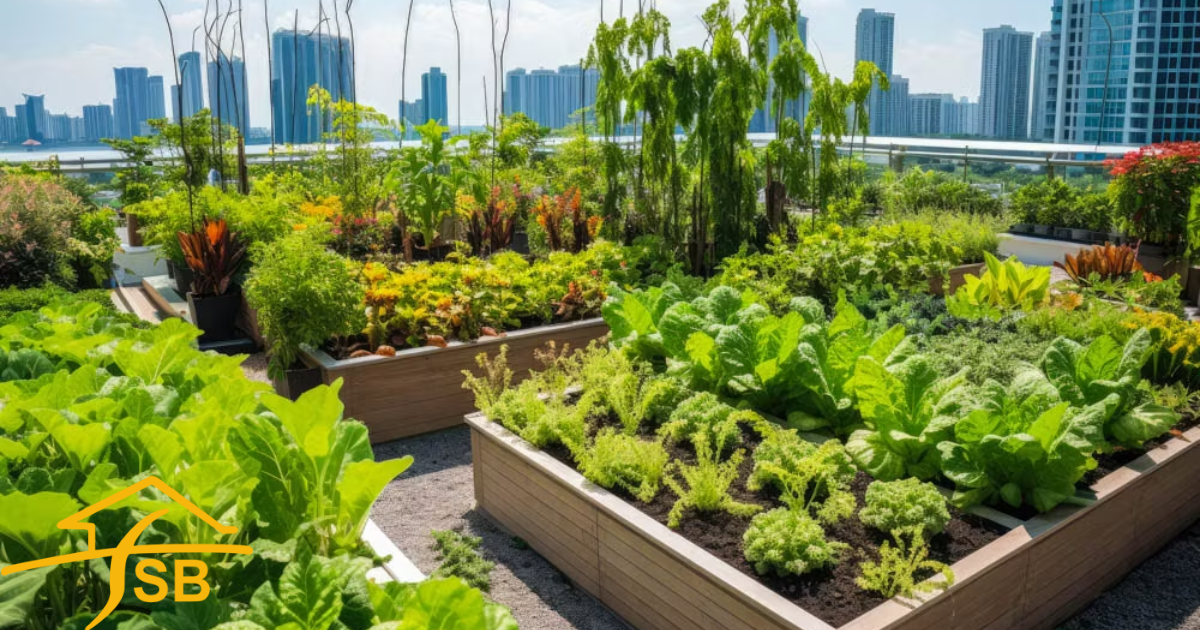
(128, 546)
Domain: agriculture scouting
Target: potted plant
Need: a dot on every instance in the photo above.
(213, 255)
(305, 295)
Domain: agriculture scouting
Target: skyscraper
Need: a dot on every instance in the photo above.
(433, 92)
(97, 122)
(764, 117)
(190, 71)
(551, 97)
(21, 130)
(930, 114)
(227, 98)
(5, 133)
(964, 121)
(1041, 126)
(897, 103)
(1140, 87)
(412, 115)
(1004, 84)
(303, 60)
(875, 42)
(157, 108)
(35, 118)
(131, 107)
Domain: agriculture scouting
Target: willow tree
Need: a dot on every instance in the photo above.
(652, 100)
(831, 98)
(607, 54)
(783, 73)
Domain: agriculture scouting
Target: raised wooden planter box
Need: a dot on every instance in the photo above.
(958, 277)
(1033, 250)
(1032, 578)
(420, 390)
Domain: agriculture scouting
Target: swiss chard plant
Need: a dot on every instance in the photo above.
(1003, 287)
(1023, 446)
(908, 409)
(1106, 371)
(832, 352)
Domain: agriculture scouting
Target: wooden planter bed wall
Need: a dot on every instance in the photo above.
(1031, 578)
(420, 390)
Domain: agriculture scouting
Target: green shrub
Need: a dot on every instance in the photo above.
(788, 542)
(905, 504)
(920, 190)
(305, 296)
(36, 218)
(459, 557)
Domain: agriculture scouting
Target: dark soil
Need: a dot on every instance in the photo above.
(1111, 462)
(830, 595)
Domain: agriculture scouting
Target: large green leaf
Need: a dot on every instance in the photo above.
(18, 592)
(447, 604)
(311, 419)
(361, 484)
(29, 529)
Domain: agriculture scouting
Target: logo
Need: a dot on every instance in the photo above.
(128, 545)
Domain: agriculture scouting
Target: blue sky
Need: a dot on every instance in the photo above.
(66, 49)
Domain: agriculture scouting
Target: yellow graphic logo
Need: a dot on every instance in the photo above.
(127, 546)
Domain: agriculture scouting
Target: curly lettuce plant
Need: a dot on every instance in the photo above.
(786, 542)
(893, 506)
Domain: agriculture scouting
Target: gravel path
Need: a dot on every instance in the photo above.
(438, 493)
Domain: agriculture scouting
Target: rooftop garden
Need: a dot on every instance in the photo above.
(834, 383)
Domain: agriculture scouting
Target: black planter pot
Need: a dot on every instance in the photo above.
(1021, 228)
(183, 277)
(1042, 230)
(297, 381)
(216, 315)
(1062, 234)
(520, 242)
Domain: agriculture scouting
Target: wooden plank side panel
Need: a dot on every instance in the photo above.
(630, 558)
(1171, 498)
(567, 545)
(422, 392)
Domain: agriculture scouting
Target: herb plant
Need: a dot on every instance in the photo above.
(897, 571)
(705, 486)
(615, 460)
(809, 478)
(459, 557)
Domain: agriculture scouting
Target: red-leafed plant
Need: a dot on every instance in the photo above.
(214, 255)
(567, 225)
(1104, 262)
(490, 229)
(1152, 188)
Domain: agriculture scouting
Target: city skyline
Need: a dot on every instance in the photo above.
(1022, 93)
(139, 39)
